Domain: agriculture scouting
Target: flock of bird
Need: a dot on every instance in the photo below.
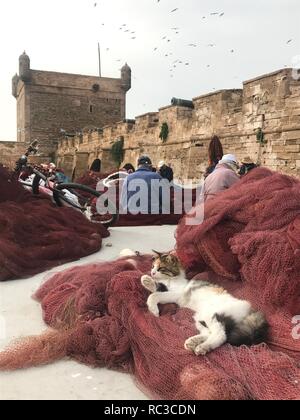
(168, 39)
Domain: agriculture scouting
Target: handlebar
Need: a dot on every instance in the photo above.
(40, 174)
(32, 150)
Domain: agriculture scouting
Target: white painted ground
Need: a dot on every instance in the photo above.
(67, 380)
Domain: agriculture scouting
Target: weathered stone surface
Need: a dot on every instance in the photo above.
(266, 102)
(49, 103)
(270, 102)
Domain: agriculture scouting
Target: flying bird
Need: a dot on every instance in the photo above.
(174, 10)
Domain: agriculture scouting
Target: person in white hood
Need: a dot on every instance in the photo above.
(224, 176)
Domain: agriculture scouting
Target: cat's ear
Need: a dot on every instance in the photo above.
(159, 254)
(172, 259)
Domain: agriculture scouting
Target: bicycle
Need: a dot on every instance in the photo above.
(78, 196)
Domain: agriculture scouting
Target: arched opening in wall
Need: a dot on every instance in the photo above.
(95, 164)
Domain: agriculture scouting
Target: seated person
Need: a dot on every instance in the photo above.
(247, 166)
(224, 176)
(129, 168)
(60, 176)
(165, 171)
(141, 193)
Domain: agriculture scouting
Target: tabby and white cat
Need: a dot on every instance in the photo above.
(220, 318)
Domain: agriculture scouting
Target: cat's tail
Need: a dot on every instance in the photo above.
(35, 351)
(253, 330)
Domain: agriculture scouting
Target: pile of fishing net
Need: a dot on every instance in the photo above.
(98, 313)
(250, 233)
(35, 235)
(91, 179)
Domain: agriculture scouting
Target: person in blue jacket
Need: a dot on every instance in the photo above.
(143, 191)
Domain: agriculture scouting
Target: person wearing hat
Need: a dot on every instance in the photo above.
(247, 166)
(224, 176)
(165, 171)
(139, 189)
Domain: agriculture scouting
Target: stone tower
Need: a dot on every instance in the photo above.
(52, 103)
(24, 67)
(126, 77)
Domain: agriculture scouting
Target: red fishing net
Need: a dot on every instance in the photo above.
(36, 236)
(100, 314)
(250, 232)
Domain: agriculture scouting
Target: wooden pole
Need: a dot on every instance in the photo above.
(99, 55)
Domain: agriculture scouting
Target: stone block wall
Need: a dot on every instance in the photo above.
(270, 103)
(10, 152)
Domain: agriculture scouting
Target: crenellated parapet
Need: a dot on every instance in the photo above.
(270, 103)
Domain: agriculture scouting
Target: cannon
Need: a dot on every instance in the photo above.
(182, 102)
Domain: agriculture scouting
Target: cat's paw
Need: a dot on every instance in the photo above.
(152, 306)
(202, 350)
(149, 283)
(192, 343)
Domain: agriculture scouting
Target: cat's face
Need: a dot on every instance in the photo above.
(165, 266)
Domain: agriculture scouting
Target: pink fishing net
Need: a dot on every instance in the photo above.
(35, 235)
(98, 313)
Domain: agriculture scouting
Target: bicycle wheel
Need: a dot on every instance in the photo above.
(84, 199)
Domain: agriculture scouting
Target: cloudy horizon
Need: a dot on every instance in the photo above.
(181, 48)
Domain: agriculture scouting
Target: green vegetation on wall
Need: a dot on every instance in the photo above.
(164, 134)
(117, 151)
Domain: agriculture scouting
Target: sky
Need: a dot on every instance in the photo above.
(176, 48)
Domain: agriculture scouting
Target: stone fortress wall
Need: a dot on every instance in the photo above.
(91, 112)
(270, 102)
(50, 104)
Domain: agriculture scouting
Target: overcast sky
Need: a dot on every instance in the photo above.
(251, 38)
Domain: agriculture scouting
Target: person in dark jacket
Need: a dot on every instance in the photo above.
(129, 168)
(141, 193)
(165, 171)
(247, 166)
